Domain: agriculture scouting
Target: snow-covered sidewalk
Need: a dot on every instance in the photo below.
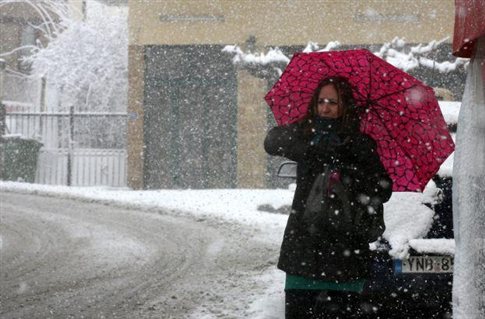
(406, 216)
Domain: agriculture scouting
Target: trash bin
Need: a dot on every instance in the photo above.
(19, 159)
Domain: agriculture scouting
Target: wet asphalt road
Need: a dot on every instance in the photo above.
(62, 258)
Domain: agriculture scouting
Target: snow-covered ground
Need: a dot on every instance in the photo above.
(406, 217)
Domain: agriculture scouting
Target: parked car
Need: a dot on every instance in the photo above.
(412, 268)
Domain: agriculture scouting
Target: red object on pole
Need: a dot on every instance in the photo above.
(469, 26)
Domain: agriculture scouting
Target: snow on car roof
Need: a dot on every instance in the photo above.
(407, 217)
(442, 246)
(450, 110)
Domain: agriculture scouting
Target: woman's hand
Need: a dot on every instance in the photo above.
(324, 152)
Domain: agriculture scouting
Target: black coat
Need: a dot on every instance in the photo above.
(332, 253)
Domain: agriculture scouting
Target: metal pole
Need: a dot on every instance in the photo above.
(3, 116)
(71, 146)
(42, 106)
(3, 111)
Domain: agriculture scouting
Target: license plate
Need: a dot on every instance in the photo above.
(424, 264)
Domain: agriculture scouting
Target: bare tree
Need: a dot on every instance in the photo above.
(85, 61)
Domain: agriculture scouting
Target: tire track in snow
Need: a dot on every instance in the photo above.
(63, 258)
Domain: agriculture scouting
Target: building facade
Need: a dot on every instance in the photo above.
(198, 121)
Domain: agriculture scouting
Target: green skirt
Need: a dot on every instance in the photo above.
(298, 282)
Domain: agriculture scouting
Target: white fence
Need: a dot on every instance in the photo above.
(90, 167)
(97, 141)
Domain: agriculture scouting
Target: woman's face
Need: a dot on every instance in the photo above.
(328, 104)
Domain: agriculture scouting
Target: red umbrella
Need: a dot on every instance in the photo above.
(399, 112)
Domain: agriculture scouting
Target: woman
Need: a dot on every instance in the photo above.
(337, 207)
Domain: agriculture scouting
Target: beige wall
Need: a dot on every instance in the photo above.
(277, 22)
(251, 125)
(271, 22)
(136, 67)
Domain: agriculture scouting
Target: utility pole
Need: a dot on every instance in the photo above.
(3, 111)
(3, 116)
(70, 152)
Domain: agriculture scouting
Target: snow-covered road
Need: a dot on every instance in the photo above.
(62, 258)
(119, 253)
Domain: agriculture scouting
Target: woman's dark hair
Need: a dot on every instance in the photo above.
(350, 117)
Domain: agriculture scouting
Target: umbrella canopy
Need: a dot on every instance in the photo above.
(469, 26)
(398, 111)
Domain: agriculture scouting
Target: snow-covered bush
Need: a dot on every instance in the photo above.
(409, 58)
(85, 61)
